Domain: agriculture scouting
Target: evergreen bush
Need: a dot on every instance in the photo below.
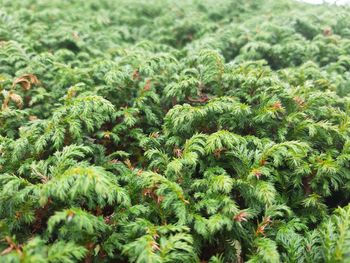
(174, 131)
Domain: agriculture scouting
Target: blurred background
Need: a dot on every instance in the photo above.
(338, 2)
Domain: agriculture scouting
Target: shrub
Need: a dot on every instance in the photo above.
(162, 131)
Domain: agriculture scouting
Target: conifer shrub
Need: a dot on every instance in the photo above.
(174, 131)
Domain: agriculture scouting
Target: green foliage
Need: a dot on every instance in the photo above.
(174, 131)
(36, 251)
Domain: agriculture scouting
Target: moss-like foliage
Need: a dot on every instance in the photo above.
(174, 131)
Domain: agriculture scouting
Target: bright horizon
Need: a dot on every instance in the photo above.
(339, 2)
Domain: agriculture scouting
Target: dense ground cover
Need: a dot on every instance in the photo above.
(174, 131)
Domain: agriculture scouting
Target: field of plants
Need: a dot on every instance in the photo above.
(156, 131)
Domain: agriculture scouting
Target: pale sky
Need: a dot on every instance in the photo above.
(339, 2)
